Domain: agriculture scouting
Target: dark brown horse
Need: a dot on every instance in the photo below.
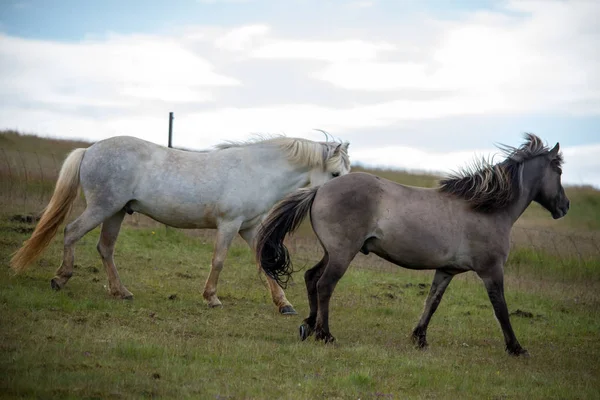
(464, 225)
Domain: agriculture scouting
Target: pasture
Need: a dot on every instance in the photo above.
(166, 343)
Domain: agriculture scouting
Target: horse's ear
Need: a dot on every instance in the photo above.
(554, 152)
(341, 147)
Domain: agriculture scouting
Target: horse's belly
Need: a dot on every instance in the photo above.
(178, 216)
(412, 254)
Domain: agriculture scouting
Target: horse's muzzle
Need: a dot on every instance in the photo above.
(562, 210)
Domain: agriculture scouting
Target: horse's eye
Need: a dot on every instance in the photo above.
(335, 174)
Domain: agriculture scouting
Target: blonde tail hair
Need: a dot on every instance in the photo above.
(59, 207)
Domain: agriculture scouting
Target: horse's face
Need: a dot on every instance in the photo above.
(337, 164)
(551, 194)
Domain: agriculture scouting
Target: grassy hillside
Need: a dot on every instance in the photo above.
(79, 343)
(16, 141)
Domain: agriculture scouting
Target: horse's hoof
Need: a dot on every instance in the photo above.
(519, 352)
(287, 310)
(419, 340)
(215, 305)
(121, 296)
(326, 337)
(54, 284)
(303, 332)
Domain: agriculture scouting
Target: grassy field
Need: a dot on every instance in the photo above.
(80, 343)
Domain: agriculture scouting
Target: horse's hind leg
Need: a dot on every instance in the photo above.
(278, 296)
(311, 277)
(441, 280)
(225, 234)
(106, 248)
(277, 293)
(88, 220)
(335, 269)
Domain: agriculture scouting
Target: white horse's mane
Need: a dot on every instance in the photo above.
(300, 151)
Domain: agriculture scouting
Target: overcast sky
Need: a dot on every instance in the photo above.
(424, 85)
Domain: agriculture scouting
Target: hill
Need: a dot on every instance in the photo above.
(32, 158)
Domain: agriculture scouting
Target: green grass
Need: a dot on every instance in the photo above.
(80, 343)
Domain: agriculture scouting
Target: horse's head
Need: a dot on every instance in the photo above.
(336, 163)
(550, 193)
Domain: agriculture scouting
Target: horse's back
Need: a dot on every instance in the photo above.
(115, 148)
(117, 159)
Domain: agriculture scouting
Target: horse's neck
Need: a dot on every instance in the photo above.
(527, 192)
(280, 174)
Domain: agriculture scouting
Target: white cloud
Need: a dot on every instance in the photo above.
(333, 51)
(548, 60)
(242, 38)
(167, 93)
(117, 71)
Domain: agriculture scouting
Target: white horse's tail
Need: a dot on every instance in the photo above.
(59, 207)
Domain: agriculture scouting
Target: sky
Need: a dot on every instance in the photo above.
(411, 84)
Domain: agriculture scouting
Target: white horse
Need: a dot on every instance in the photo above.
(230, 189)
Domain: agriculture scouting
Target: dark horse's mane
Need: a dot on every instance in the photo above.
(489, 187)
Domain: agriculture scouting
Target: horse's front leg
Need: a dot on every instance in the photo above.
(441, 280)
(277, 293)
(226, 231)
(493, 279)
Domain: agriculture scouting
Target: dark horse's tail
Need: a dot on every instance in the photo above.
(284, 218)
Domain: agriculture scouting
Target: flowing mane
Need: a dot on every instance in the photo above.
(489, 187)
(301, 151)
